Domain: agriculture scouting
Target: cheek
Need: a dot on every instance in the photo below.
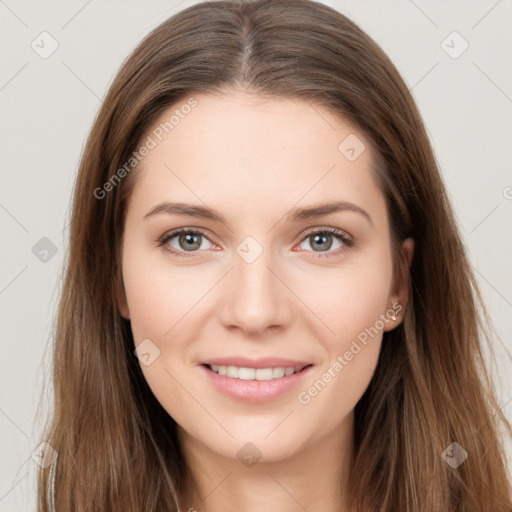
(345, 301)
(352, 354)
(349, 305)
(159, 295)
(160, 300)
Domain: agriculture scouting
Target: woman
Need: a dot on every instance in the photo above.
(267, 304)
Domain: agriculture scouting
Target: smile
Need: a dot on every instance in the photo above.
(236, 372)
(256, 385)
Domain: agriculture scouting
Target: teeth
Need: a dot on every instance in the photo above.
(277, 373)
(232, 371)
(264, 374)
(236, 372)
(244, 373)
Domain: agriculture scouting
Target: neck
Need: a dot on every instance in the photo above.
(312, 479)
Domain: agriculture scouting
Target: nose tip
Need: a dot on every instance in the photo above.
(254, 301)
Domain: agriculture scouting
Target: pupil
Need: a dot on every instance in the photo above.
(324, 237)
(190, 239)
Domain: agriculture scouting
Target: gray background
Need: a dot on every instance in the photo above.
(47, 107)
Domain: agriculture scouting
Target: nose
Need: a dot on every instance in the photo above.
(255, 299)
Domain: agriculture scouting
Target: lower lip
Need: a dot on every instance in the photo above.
(255, 390)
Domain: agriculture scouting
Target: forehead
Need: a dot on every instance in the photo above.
(254, 152)
(242, 124)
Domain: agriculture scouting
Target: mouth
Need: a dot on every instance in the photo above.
(255, 385)
(248, 373)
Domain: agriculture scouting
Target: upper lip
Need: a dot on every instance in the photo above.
(264, 362)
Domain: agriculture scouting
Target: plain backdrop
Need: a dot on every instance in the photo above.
(462, 83)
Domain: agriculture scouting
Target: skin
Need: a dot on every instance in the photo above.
(253, 159)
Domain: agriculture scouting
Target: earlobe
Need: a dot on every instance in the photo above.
(398, 299)
(124, 312)
(408, 251)
(122, 303)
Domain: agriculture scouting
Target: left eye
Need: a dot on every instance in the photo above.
(322, 241)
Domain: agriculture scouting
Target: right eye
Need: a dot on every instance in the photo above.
(187, 241)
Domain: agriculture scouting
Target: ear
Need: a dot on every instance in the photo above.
(122, 303)
(399, 294)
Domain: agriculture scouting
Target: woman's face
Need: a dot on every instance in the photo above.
(265, 276)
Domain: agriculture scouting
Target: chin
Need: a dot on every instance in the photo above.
(253, 445)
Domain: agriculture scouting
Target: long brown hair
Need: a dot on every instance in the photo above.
(117, 447)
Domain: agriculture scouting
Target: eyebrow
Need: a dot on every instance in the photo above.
(294, 215)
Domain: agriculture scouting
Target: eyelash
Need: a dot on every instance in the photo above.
(341, 235)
